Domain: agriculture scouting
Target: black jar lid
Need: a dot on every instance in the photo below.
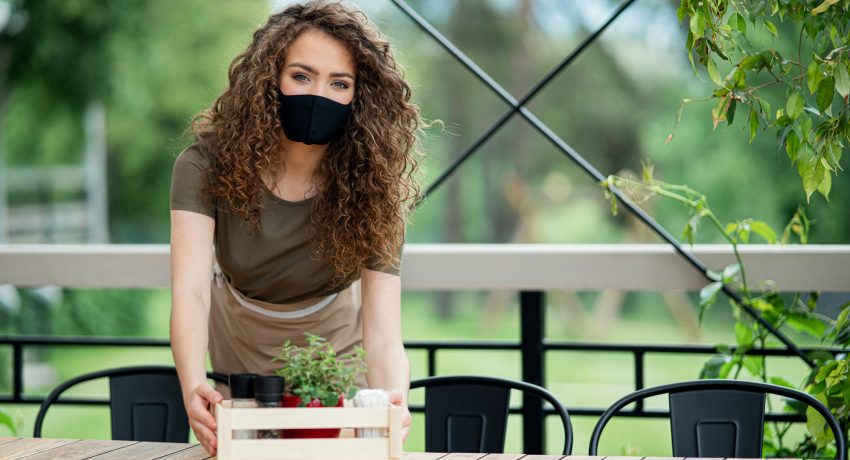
(242, 386)
(268, 388)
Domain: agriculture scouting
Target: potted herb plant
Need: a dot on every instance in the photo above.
(316, 376)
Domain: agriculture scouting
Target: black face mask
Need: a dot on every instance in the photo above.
(311, 119)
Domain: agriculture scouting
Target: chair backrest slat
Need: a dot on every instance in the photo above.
(717, 424)
(148, 407)
(466, 418)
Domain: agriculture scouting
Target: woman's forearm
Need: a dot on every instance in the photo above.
(189, 339)
(388, 368)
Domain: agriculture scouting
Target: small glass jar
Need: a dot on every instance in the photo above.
(268, 392)
(242, 395)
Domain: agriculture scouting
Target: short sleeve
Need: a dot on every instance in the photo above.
(394, 269)
(187, 182)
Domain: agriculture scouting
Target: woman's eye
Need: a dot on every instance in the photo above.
(298, 76)
(341, 84)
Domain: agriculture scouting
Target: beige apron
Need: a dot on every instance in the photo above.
(244, 333)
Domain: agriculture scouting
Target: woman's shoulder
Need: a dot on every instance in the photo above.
(196, 154)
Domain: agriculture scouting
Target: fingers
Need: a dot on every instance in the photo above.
(207, 392)
(406, 420)
(201, 420)
(205, 436)
(198, 411)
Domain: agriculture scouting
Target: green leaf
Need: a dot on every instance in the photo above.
(730, 113)
(813, 76)
(730, 272)
(691, 229)
(794, 106)
(792, 145)
(707, 296)
(740, 23)
(814, 178)
(807, 324)
(824, 6)
(712, 368)
(754, 124)
(718, 113)
(712, 72)
(7, 421)
(781, 382)
(754, 364)
(825, 93)
(842, 79)
(697, 24)
(739, 77)
(771, 27)
(763, 230)
(817, 427)
(825, 185)
(803, 161)
(743, 335)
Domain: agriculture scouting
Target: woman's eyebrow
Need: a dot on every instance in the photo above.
(312, 70)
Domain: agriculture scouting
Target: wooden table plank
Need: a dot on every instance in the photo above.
(144, 450)
(557, 457)
(504, 457)
(464, 456)
(78, 450)
(196, 452)
(624, 458)
(423, 455)
(5, 439)
(28, 446)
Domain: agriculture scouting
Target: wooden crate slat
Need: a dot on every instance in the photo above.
(309, 417)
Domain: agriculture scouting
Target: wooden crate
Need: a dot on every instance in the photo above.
(387, 448)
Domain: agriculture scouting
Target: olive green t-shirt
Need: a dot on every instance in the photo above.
(272, 264)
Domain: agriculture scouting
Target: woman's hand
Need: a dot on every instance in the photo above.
(396, 399)
(198, 407)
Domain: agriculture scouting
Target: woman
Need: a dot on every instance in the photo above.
(301, 178)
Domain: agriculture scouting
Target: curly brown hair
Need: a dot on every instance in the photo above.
(367, 184)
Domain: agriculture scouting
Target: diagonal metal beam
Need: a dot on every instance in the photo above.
(573, 155)
(493, 85)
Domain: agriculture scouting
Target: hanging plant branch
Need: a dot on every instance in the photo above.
(739, 37)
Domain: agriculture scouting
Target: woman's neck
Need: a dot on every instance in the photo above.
(296, 181)
(300, 160)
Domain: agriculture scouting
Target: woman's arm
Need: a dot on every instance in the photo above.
(388, 367)
(191, 268)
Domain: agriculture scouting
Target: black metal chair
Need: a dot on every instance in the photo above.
(470, 413)
(718, 418)
(145, 402)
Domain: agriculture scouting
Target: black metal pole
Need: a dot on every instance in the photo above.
(639, 379)
(532, 330)
(17, 371)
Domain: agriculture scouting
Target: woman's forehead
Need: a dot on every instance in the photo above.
(321, 52)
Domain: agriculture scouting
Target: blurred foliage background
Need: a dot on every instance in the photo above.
(148, 66)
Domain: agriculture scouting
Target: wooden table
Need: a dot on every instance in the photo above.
(47, 448)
